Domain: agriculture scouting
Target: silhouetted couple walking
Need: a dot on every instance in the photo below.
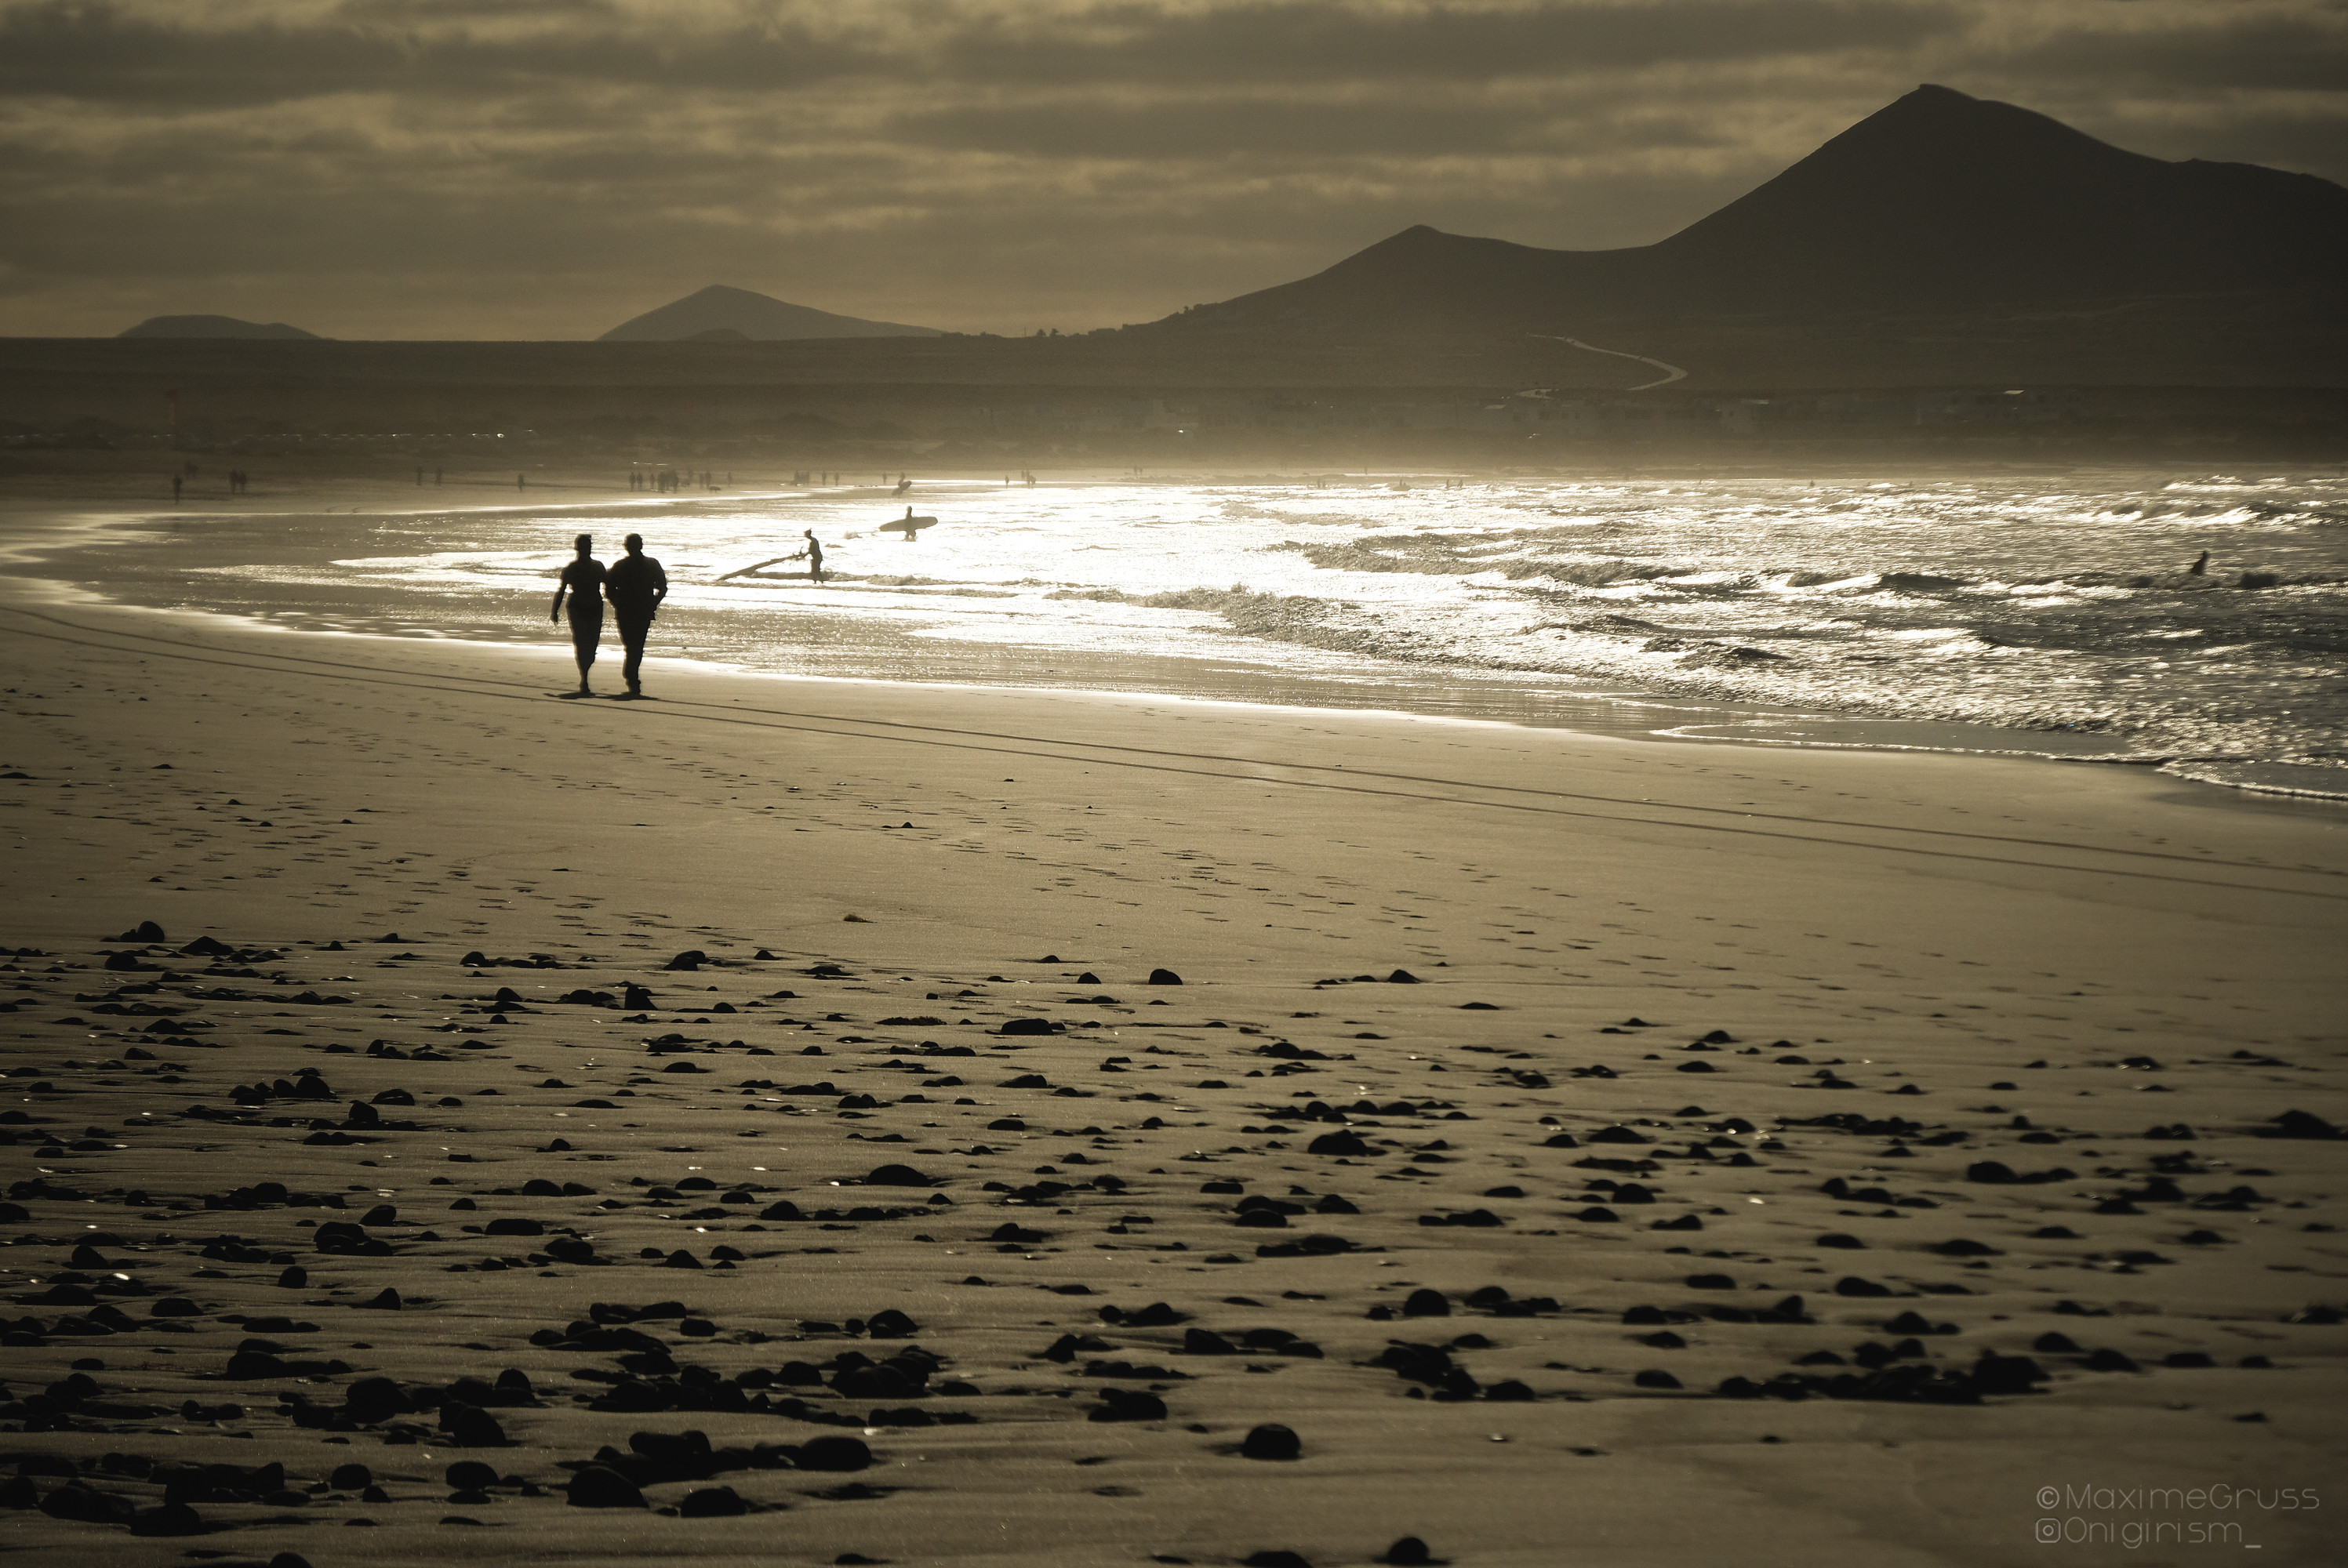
(634, 586)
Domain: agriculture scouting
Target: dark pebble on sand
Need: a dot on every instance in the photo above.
(2300, 1124)
(469, 1427)
(465, 1475)
(834, 1454)
(1272, 1442)
(1344, 1144)
(712, 1502)
(596, 1487)
(1119, 1405)
(167, 1519)
(1409, 1552)
(373, 1399)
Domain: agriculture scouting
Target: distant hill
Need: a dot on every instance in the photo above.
(213, 326)
(723, 314)
(1937, 203)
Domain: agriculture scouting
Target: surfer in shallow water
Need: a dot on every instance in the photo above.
(813, 556)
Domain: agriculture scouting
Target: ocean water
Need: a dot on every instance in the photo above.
(2036, 613)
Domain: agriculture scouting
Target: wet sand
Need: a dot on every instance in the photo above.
(1695, 1154)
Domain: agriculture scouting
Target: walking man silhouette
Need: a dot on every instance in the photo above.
(635, 586)
(584, 579)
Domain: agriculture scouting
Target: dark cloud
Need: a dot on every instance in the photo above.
(1313, 42)
(1220, 128)
(2260, 53)
(65, 48)
(104, 53)
(2308, 53)
(549, 166)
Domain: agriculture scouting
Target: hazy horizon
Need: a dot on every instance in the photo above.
(439, 169)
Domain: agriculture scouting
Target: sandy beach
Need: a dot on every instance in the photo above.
(360, 974)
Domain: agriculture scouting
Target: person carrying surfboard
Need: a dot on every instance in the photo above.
(908, 525)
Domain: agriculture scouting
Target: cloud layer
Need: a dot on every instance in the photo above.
(547, 167)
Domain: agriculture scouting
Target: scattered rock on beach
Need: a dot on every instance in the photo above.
(1272, 1442)
(597, 1487)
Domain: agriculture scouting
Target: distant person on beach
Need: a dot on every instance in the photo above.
(175, 489)
(813, 556)
(583, 580)
(635, 586)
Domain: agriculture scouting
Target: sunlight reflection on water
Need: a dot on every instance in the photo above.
(2060, 607)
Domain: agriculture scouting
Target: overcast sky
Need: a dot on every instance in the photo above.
(546, 169)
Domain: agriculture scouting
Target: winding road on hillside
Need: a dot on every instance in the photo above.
(1671, 372)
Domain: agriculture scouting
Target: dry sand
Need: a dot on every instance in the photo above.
(1860, 981)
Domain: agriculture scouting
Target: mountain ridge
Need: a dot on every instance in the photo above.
(1938, 202)
(201, 326)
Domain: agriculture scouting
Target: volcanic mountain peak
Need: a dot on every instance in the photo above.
(1938, 201)
(719, 314)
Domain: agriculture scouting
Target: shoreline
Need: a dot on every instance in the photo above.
(1610, 707)
(717, 692)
